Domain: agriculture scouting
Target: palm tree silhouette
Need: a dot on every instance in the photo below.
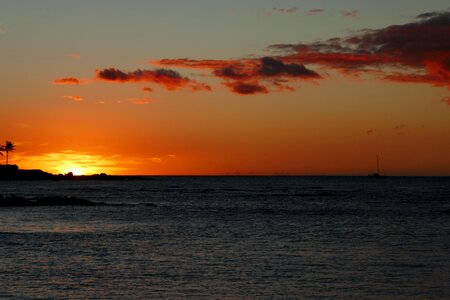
(2, 148)
(8, 147)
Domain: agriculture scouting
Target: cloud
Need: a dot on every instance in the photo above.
(315, 11)
(416, 52)
(249, 76)
(74, 55)
(446, 100)
(350, 13)
(157, 160)
(369, 131)
(169, 79)
(266, 67)
(141, 101)
(270, 67)
(244, 88)
(147, 89)
(428, 15)
(196, 63)
(285, 10)
(74, 98)
(67, 80)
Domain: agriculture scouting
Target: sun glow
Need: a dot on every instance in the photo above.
(69, 167)
(70, 161)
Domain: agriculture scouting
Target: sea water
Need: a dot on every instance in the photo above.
(229, 237)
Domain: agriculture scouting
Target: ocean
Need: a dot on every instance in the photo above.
(229, 238)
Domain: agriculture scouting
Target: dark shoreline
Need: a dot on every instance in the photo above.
(13, 173)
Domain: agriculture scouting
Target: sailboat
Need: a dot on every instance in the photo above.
(377, 174)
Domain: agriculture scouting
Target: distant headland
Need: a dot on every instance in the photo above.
(13, 172)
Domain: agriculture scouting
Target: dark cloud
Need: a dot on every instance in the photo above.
(285, 10)
(169, 79)
(414, 52)
(263, 68)
(417, 52)
(113, 74)
(272, 67)
(250, 76)
(350, 13)
(196, 63)
(315, 11)
(231, 72)
(243, 88)
(427, 15)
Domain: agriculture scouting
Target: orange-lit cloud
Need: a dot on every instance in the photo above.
(169, 79)
(67, 80)
(446, 100)
(141, 101)
(199, 64)
(74, 98)
(74, 55)
(157, 160)
(147, 89)
(246, 88)
(249, 76)
(415, 52)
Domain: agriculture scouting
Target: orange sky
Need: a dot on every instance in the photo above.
(295, 111)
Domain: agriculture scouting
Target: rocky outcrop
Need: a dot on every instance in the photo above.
(12, 172)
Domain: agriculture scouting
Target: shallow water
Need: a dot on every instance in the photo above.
(230, 237)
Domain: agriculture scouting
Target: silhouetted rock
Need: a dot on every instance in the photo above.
(8, 171)
(12, 172)
(33, 175)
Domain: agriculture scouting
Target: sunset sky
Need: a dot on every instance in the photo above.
(177, 87)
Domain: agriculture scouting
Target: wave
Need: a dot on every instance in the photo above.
(17, 201)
